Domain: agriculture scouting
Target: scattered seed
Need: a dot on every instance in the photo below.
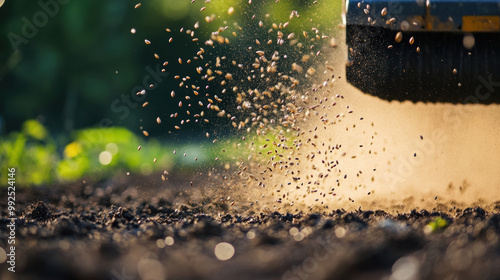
(399, 37)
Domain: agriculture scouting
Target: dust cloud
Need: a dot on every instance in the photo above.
(351, 150)
(403, 155)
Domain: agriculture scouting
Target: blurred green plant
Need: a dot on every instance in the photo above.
(94, 152)
(32, 150)
(100, 153)
(436, 224)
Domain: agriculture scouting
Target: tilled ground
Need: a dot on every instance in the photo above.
(125, 230)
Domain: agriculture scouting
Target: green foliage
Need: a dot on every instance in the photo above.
(94, 152)
(436, 224)
(31, 151)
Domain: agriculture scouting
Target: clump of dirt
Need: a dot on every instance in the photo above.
(39, 212)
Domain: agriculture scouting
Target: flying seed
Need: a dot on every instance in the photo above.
(145, 104)
(145, 133)
(147, 42)
(399, 37)
(383, 12)
(158, 120)
(412, 40)
(137, 5)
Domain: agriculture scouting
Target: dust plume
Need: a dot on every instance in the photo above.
(376, 154)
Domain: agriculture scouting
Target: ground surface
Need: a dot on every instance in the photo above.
(119, 230)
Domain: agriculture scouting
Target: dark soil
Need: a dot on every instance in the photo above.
(117, 230)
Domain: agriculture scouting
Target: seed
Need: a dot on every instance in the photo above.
(383, 12)
(172, 94)
(139, 148)
(399, 37)
(154, 160)
(132, 30)
(145, 104)
(455, 71)
(412, 40)
(230, 11)
(145, 133)
(170, 40)
(147, 42)
(137, 5)
(158, 120)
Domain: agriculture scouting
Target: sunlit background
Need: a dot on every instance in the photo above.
(69, 68)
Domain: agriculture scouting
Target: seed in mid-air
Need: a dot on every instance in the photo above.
(145, 133)
(412, 40)
(147, 42)
(383, 12)
(158, 120)
(137, 5)
(399, 37)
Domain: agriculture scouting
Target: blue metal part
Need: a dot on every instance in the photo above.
(425, 50)
(421, 15)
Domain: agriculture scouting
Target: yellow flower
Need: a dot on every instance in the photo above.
(72, 149)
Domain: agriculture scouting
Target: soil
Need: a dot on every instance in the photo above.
(124, 228)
